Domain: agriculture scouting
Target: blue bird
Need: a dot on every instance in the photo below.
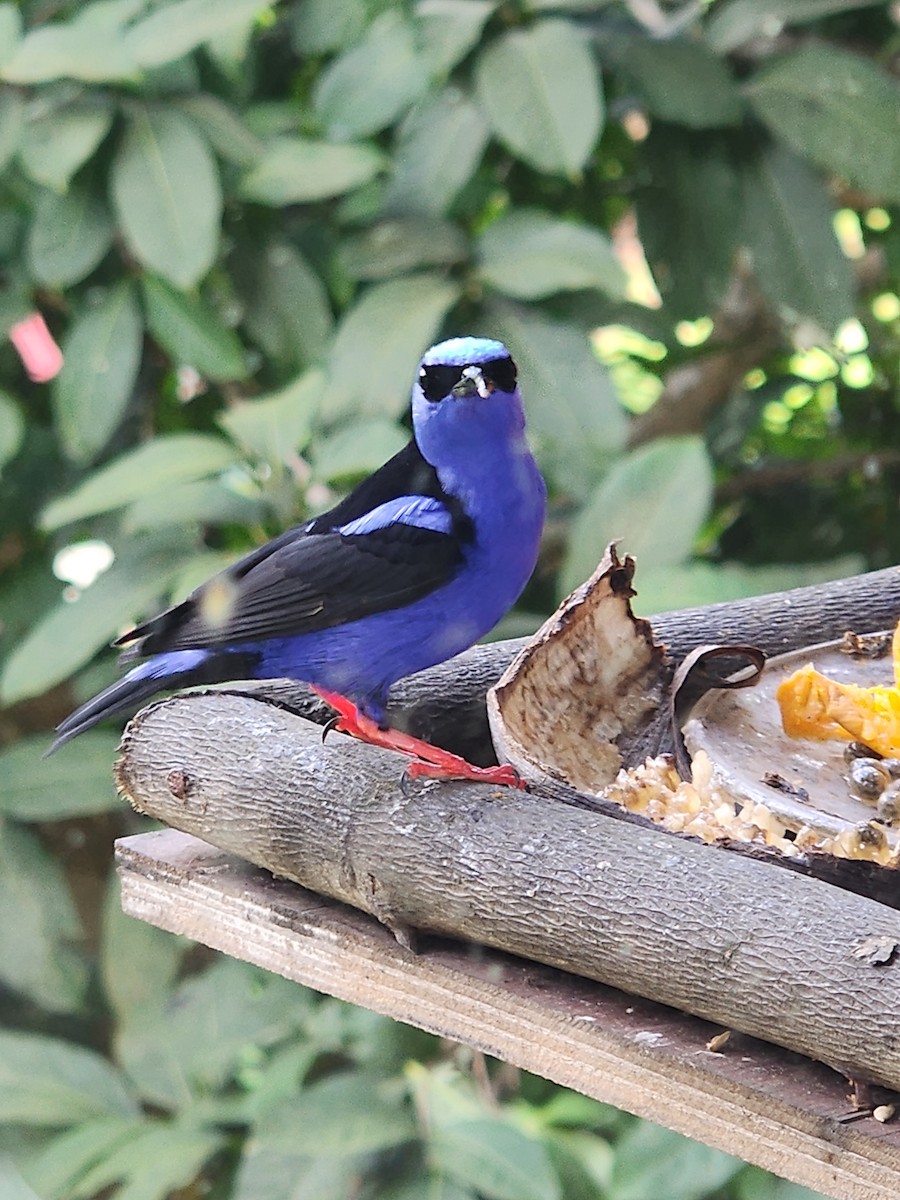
(417, 563)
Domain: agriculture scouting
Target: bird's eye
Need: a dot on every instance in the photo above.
(436, 382)
(502, 373)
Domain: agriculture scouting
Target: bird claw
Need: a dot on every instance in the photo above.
(332, 723)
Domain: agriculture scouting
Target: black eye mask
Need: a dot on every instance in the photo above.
(437, 382)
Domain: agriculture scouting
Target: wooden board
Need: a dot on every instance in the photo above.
(772, 1108)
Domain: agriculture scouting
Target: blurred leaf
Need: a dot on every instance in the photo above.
(528, 254)
(139, 962)
(12, 109)
(10, 31)
(37, 955)
(755, 1184)
(293, 170)
(68, 49)
(439, 146)
(373, 359)
(192, 333)
(13, 1185)
(339, 1117)
(370, 85)
(102, 353)
(738, 21)
(57, 1170)
(394, 247)
(573, 412)
(266, 1174)
(169, 458)
(223, 127)
(838, 109)
(286, 307)
(655, 500)
(159, 1158)
(12, 428)
(431, 1187)
(205, 501)
(682, 81)
(498, 1161)
(70, 634)
(276, 427)
(566, 1108)
(59, 787)
(46, 1081)
(357, 449)
(541, 91)
(69, 236)
(55, 144)
(652, 1161)
(688, 216)
(787, 229)
(318, 26)
(178, 28)
(166, 193)
(449, 29)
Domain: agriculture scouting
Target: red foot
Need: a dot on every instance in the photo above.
(428, 761)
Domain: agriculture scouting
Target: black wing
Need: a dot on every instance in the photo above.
(314, 576)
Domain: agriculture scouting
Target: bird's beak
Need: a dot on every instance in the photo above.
(472, 383)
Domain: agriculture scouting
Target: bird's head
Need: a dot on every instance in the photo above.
(466, 388)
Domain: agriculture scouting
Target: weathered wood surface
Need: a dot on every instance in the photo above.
(721, 936)
(774, 1109)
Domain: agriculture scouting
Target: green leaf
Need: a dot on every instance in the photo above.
(191, 333)
(574, 415)
(370, 85)
(159, 1159)
(280, 1175)
(439, 146)
(357, 449)
(101, 353)
(652, 1161)
(653, 500)
(276, 427)
(56, 1170)
(69, 635)
(688, 216)
(10, 31)
(391, 248)
(178, 28)
(204, 502)
(68, 50)
(12, 111)
(166, 194)
(449, 29)
(682, 81)
(318, 26)
(528, 254)
(168, 459)
(838, 109)
(541, 91)
(223, 127)
(139, 962)
(788, 232)
(286, 306)
(495, 1159)
(12, 429)
(13, 1185)
(37, 954)
(54, 145)
(755, 1184)
(49, 790)
(738, 21)
(70, 235)
(46, 1081)
(293, 170)
(388, 330)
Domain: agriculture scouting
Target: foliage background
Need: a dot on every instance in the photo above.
(244, 223)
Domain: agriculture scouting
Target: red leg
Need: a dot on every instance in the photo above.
(428, 761)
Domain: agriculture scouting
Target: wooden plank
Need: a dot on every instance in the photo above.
(772, 1108)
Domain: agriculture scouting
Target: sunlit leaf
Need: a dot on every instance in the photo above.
(276, 427)
(293, 170)
(541, 91)
(494, 1158)
(449, 29)
(681, 80)
(101, 353)
(440, 144)
(68, 49)
(528, 254)
(379, 342)
(47, 1081)
(191, 332)
(169, 458)
(286, 309)
(63, 786)
(69, 236)
(10, 32)
(167, 197)
(55, 144)
(838, 109)
(176, 29)
(370, 85)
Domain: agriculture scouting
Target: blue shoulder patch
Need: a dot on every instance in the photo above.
(422, 512)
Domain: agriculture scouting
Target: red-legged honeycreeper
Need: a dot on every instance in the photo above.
(418, 562)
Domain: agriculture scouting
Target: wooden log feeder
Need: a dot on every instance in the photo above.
(601, 927)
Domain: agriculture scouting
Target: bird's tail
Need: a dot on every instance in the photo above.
(177, 668)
